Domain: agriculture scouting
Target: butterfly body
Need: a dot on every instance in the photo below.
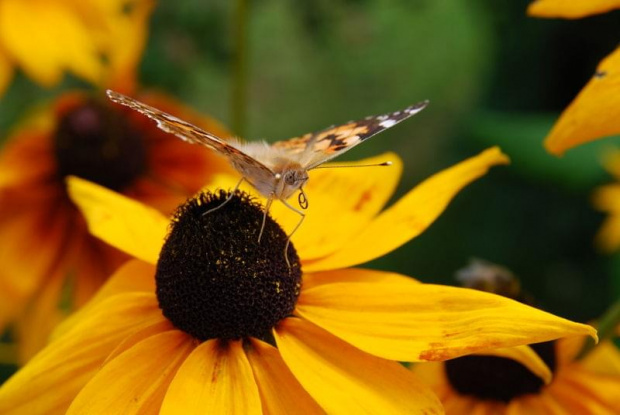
(276, 170)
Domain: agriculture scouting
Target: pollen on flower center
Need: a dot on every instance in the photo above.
(215, 280)
(497, 378)
(96, 142)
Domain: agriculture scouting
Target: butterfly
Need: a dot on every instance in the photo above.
(280, 169)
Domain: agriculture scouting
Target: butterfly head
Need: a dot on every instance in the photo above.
(290, 180)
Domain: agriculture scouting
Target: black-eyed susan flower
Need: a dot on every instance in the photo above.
(214, 321)
(99, 41)
(45, 248)
(542, 379)
(595, 111)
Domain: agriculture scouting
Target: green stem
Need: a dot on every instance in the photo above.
(239, 81)
(606, 328)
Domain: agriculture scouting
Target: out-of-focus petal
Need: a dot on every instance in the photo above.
(594, 113)
(280, 391)
(122, 222)
(607, 199)
(411, 215)
(57, 40)
(136, 381)
(420, 322)
(342, 379)
(216, 375)
(570, 9)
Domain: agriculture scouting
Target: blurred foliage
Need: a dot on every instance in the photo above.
(493, 75)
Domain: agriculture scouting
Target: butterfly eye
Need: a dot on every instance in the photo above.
(290, 178)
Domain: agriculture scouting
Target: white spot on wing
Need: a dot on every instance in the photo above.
(387, 123)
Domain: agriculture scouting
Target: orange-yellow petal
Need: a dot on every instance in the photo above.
(215, 375)
(570, 9)
(526, 356)
(580, 391)
(136, 381)
(603, 359)
(345, 380)
(411, 215)
(594, 113)
(57, 39)
(48, 383)
(417, 322)
(122, 222)
(281, 392)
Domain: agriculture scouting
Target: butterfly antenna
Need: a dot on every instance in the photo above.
(383, 164)
(227, 199)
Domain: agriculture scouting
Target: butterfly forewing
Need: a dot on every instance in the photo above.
(193, 134)
(317, 148)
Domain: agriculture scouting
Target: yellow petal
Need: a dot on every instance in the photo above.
(542, 404)
(411, 215)
(280, 392)
(594, 113)
(607, 199)
(50, 381)
(57, 39)
(134, 276)
(603, 359)
(416, 322)
(570, 9)
(344, 380)
(136, 381)
(6, 71)
(217, 376)
(526, 356)
(122, 222)
(352, 275)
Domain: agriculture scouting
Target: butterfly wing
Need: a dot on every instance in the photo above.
(317, 148)
(253, 170)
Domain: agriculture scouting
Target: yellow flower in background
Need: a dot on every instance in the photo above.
(494, 385)
(45, 248)
(100, 41)
(542, 379)
(218, 322)
(595, 112)
(571, 9)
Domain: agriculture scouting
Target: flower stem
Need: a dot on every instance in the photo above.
(606, 328)
(239, 81)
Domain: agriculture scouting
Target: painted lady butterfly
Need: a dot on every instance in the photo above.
(277, 170)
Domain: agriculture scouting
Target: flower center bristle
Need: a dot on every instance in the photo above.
(497, 378)
(215, 280)
(95, 141)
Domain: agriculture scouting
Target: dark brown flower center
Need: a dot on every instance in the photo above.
(215, 280)
(497, 378)
(96, 142)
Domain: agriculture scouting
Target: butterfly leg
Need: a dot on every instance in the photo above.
(288, 241)
(227, 199)
(267, 207)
